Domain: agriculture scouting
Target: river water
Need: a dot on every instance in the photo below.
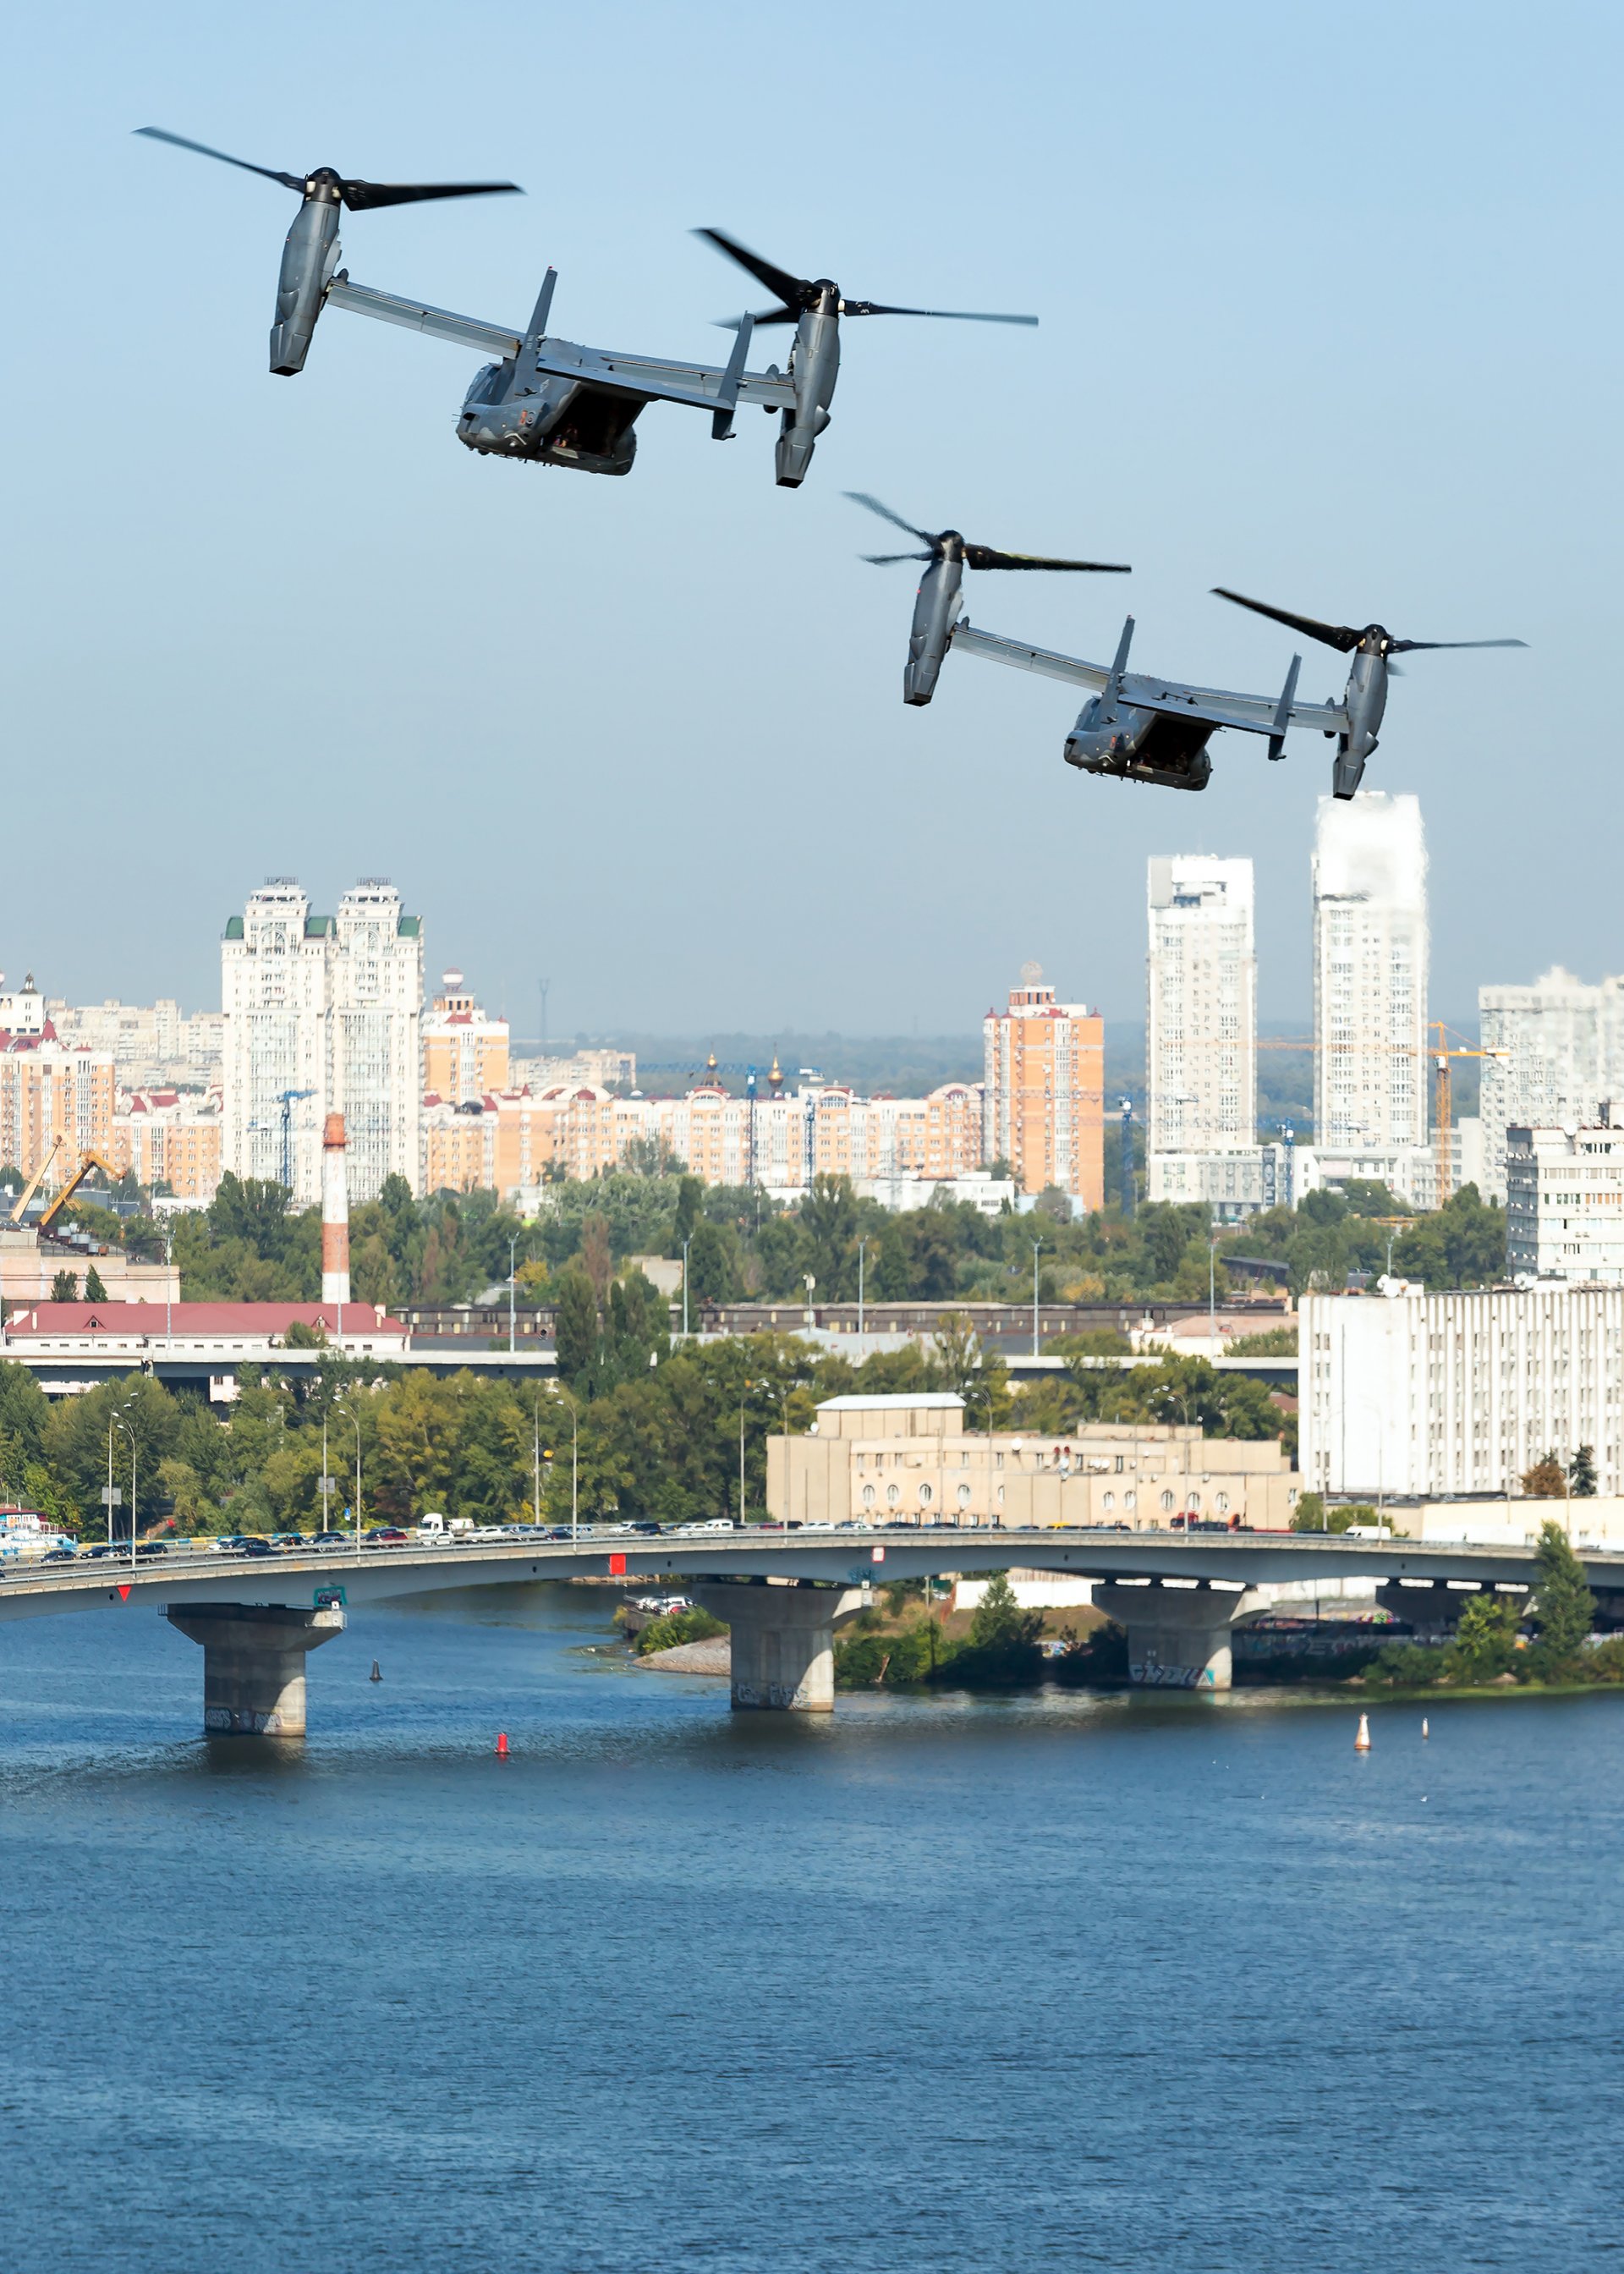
(943, 1985)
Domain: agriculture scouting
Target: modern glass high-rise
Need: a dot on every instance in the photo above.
(1201, 1011)
(1370, 974)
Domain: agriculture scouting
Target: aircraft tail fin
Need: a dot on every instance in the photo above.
(727, 394)
(1111, 692)
(537, 328)
(1283, 714)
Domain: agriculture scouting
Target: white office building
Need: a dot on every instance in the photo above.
(1370, 976)
(1201, 1021)
(1562, 1045)
(1425, 1396)
(1565, 1203)
(322, 1014)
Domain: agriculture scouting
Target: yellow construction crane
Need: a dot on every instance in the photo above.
(34, 1181)
(87, 1161)
(1443, 1101)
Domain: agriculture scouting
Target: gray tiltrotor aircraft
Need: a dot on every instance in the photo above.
(1365, 696)
(549, 400)
(947, 555)
(1154, 730)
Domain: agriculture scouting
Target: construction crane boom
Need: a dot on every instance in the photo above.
(87, 1161)
(34, 1181)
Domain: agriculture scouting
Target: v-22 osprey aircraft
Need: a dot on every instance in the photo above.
(1140, 728)
(554, 401)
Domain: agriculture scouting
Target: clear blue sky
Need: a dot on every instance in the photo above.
(1329, 312)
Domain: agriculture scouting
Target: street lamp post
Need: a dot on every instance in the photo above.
(743, 1394)
(1212, 1289)
(513, 1289)
(861, 1248)
(351, 1414)
(1036, 1245)
(129, 1433)
(686, 1243)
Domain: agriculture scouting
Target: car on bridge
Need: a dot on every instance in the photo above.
(59, 1555)
(385, 1535)
(324, 1540)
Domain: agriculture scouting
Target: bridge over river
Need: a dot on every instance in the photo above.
(782, 1593)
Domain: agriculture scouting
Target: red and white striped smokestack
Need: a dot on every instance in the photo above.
(334, 1214)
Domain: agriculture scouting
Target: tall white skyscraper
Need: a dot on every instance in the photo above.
(1564, 1042)
(322, 1015)
(1370, 974)
(1202, 1026)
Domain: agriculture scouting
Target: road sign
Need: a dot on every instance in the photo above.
(877, 1555)
(328, 1599)
(617, 1567)
(112, 1496)
(325, 1485)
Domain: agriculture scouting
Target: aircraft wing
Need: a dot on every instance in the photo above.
(658, 381)
(439, 323)
(1022, 657)
(1251, 714)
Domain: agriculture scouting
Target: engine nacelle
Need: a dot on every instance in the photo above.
(308, 258)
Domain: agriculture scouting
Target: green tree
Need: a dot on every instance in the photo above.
(690, 1199)
(1581, 1473)
(713, 1271)
(1486, 1641)
(576, 1329)
(94, 1291)
(64, 1287)
(1563, 1605)
(1309, 1515)
(998, 1620)
(828, 1219)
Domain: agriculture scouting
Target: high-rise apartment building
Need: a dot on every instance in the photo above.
(465, 1054)
(1201, 1015)
(322, 1014)
(1370, 975)
(1559, 1047)
(1043, 1099)
(153, 1045)
(1565, 1204)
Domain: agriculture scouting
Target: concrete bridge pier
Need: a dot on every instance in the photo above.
(1178, 1637)
(253, 1663)
(782, 1646)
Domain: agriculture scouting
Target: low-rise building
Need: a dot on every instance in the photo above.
(911, 1459)
(1565, 1202)
(1422, 1394)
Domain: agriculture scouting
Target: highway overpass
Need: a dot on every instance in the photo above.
(1178, 1597)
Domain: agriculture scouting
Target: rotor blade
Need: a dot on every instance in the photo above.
(1342, 635)
(1409, 647)
(948, 315)
(983, 556)
(884, 560)
(792, 290)
(361, 197)
(861, 497)
(161, 135)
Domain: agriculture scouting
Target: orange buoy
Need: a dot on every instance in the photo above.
(1361, 1743)
(502, 1744)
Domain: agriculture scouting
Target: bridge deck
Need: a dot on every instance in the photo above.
(1231, 1560)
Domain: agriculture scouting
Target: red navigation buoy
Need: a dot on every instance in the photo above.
(502, 1744)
